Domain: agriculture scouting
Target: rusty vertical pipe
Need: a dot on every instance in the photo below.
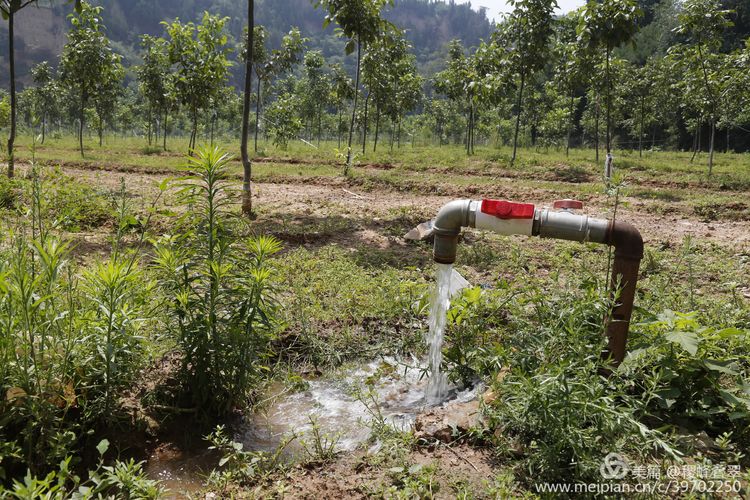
(628, 245)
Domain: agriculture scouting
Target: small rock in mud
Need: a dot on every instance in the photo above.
(447, 423)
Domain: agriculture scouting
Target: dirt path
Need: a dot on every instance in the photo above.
(338, 198)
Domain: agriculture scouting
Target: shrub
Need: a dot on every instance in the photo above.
(552, 406)
(8, 193)
(68, 343)
(690, 375)
(283, 122)
(74, 206)
(221, 292)
(555, 411)
(121, 480)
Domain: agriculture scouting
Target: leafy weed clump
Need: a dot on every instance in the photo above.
(8, 193)
(70, 341)
(221, 292)
(555, 415)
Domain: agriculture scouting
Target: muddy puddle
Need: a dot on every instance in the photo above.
(343, 404)
(340, 405)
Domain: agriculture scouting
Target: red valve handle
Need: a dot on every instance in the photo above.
(568, 204)
(503, 209)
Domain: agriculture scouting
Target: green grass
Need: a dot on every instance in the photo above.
(665, 178)
(531, 328)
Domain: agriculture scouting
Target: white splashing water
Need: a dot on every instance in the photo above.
(441, 301)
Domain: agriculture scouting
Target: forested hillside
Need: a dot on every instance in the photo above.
(429, 26)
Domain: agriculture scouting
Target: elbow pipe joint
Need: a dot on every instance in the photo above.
(626, 239)
(447, 227)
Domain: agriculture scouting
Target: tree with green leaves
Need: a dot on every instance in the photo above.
(198, 54)
(361, 23)
(408, 91)
(283, 119)
(572, 66)
(735, 109)
(531, 29)
(608, 24)
(260, 61)
(155, 83)
(106, 92)
(8, 10)
(315, 90)
(382, 66)
(274, 64)
(704, 22)
(458, 82)
(663, 98)
(44, 94)
(637, 86)
(88, 65)
(342, 91)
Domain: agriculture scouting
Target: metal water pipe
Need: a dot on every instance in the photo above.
(506, 217)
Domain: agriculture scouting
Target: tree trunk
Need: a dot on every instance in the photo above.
(100, 131)
(726, 150)
(519, 103)
(713, 110)
(320, 119)
(468, 132)
(596, 127)
(81, 122)
(166, 120)
(570, 122)
(213, 126)
(364, 127)
(711, 148)
(399, 133)
(338, 131)
(44, 128)
(354, 110)
(653, 137)
(190, 140)
(609, 105)
(13, 103)
(377, 127)
(640, 132)
(247, 197)
(257, 112)
(150, 120)
(696, 140)
(471, 128)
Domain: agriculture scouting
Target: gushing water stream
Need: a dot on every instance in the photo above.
(441, 301)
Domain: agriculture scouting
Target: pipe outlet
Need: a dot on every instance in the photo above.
(505, 217)
(447, 226)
